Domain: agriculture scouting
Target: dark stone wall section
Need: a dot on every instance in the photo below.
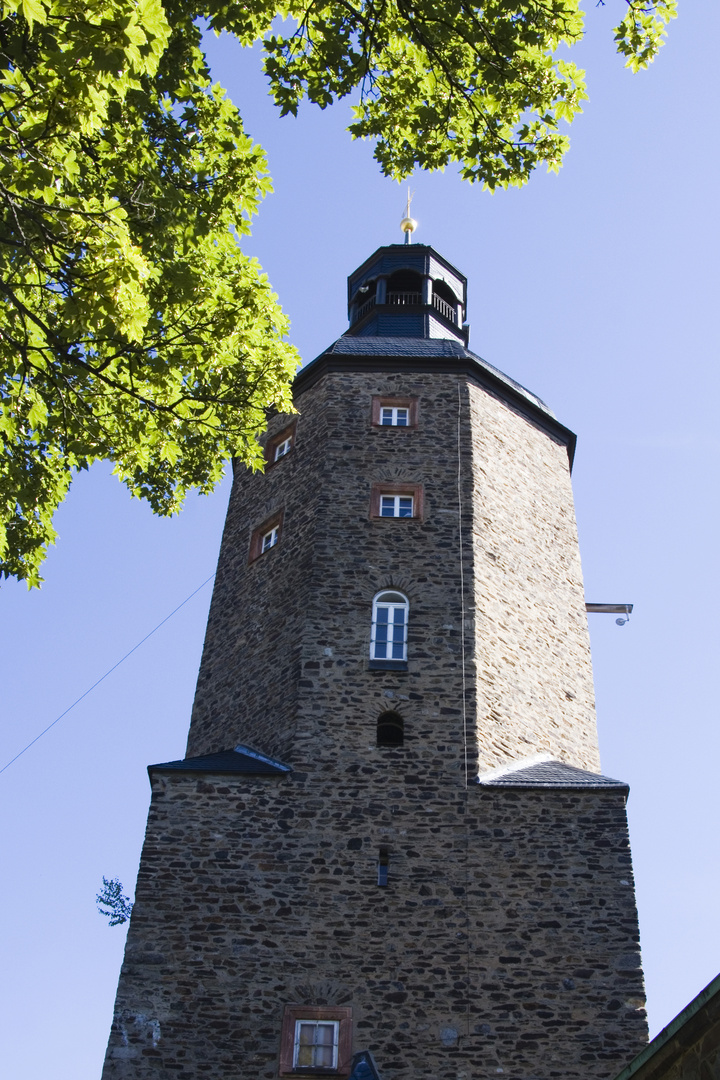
(505, 943)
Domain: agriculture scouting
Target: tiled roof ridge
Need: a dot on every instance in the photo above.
(238, 759)
(543, 771)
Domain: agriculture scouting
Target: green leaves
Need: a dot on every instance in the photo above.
(642, 31)
(132, 326)
(112, 903)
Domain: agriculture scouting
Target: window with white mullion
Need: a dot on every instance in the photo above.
(389, 627)
(394, 416)
(316, 1044)
(397, 506)
(283, 448)
(270, 538)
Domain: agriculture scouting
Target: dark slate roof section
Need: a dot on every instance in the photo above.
(410, 346)
(552, 774)
(364, 1067)
(697, 1021)
(440, 355)
(240, 760)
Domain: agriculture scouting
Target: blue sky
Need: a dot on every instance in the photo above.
(597, 289)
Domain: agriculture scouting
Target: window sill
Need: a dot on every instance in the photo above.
(387, 665)
(313, 1070)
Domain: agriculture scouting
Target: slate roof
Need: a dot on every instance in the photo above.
(364, 1067)
(685, 1037)
(397, 346)
(241, 759)
(349, 345)
(551, 774)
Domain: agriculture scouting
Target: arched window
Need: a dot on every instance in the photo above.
(389, 627)
(390, 729)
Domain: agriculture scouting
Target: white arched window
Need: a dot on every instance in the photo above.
(389, 626)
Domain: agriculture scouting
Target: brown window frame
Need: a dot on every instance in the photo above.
(379, 488)
(288, 432)
(293, 1013)
(256, 537)
(380, 401)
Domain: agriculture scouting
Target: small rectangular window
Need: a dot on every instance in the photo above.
(396, 506)
(266, 536)
(316, 1039)
(389, 500)
(270, 539)
(316, 1044)
(394, 417)
(280, 445)
(394, 411)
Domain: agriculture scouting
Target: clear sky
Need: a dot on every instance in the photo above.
(598, 289)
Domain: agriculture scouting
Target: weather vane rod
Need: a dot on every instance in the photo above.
(408, 224)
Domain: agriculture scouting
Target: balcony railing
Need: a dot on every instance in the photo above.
(365, 307)
(449, 311)
(405, 299)
(410, 299)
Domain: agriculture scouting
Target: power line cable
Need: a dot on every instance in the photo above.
(108, 672)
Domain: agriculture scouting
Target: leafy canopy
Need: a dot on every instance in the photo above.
(132, 326)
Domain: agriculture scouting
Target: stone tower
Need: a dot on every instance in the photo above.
(390, 833)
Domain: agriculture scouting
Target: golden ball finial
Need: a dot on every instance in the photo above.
(408, 224)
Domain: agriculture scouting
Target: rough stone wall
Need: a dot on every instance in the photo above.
(535, 686)
(504, 943)
(286, 653)
(247, 686)
(507, 937)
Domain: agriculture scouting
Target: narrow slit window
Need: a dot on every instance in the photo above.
(396, 506)
(382, 869)
(389, 627)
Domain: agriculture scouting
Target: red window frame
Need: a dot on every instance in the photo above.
(262, 530)
(378, 489)
(288, 432)
(292, 1014)
(379, 402)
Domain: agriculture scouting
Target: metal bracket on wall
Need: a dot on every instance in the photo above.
(612, 609)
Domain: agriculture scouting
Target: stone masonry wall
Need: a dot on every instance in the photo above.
(506, 940)
(504, 944)
(534, 670)
(287, 647)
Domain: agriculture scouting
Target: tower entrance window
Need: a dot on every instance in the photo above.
(390, 729)
(389, 627)
(316, 1039)
(316, 1044)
